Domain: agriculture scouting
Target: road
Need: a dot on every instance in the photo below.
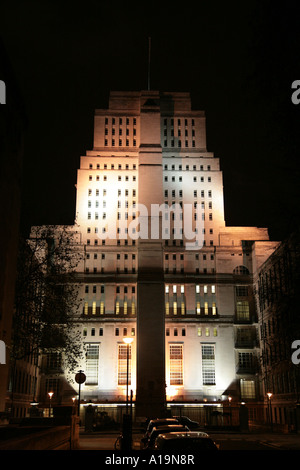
(225, 441)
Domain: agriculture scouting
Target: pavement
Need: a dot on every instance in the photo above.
(272, 440)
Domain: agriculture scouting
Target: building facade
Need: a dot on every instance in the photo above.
(276, 284)
(160, 266)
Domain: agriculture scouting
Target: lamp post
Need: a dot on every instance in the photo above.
(127, 431)
(50, 397)
(128, 342)
(269, 394)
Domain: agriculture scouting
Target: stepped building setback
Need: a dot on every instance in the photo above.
(188, 304)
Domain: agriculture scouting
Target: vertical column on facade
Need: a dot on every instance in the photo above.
(150, 397)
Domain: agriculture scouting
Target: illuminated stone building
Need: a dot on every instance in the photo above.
(187, 304)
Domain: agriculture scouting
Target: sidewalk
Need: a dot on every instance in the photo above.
(274, 440)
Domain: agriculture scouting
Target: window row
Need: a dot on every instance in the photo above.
(126, 120)
(105, 178)
(112, 166)
(180, 193)
(176, 364)
(187, 167)
(124, 367)
(97, 242)
(171, 132)
(97, 308)
(104, 192)
(174, 256)
(204, 289)
(112, 131)
(100, 331)
(179, 308)
(195, 180)
(179, 143)
(178, 121)
(120, 143)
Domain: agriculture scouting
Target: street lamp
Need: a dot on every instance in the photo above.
(127, 425)
(50, 396)
(128, 342)
(269, 394)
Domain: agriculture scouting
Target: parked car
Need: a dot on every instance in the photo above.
(190, 441)
(149, 444)
(187, 422)
(158, 422)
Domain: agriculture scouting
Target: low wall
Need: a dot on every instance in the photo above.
(64, 437)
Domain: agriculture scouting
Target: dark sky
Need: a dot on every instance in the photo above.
(237, 59)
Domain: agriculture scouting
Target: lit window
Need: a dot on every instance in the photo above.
(86, 308)
(125, 308)
(214, 308)
(198, 308)
(92, 363)
(117, 308)
(94, 308)
(182, 289)
(247, 388)
(101, 308)
(213, 289)
(123, 350)
(208, 364)
(174, 289)
(167, 308)
(176, 364)
(197, 289)
(182, 308)
(206, 308)
(242, 310)
(174, 308)
(205, 289)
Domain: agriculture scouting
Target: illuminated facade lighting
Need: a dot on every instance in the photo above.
(187, 303)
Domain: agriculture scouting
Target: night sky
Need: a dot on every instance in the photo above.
(237, 59)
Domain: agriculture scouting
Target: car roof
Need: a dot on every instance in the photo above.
(184, 434)
(169, 427)
(158, 420)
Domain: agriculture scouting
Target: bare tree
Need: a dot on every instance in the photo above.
(47, 295)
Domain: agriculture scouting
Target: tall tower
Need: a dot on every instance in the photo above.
(177, 291)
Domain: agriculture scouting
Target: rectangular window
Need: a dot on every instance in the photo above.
(208, 364)
(241, 291)
(94, 306)
(92, 364)
(122, 364)
(246, 361)
(167, 308)
(101, 308)
(176, 364)
(242, 310)
(247, 388)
